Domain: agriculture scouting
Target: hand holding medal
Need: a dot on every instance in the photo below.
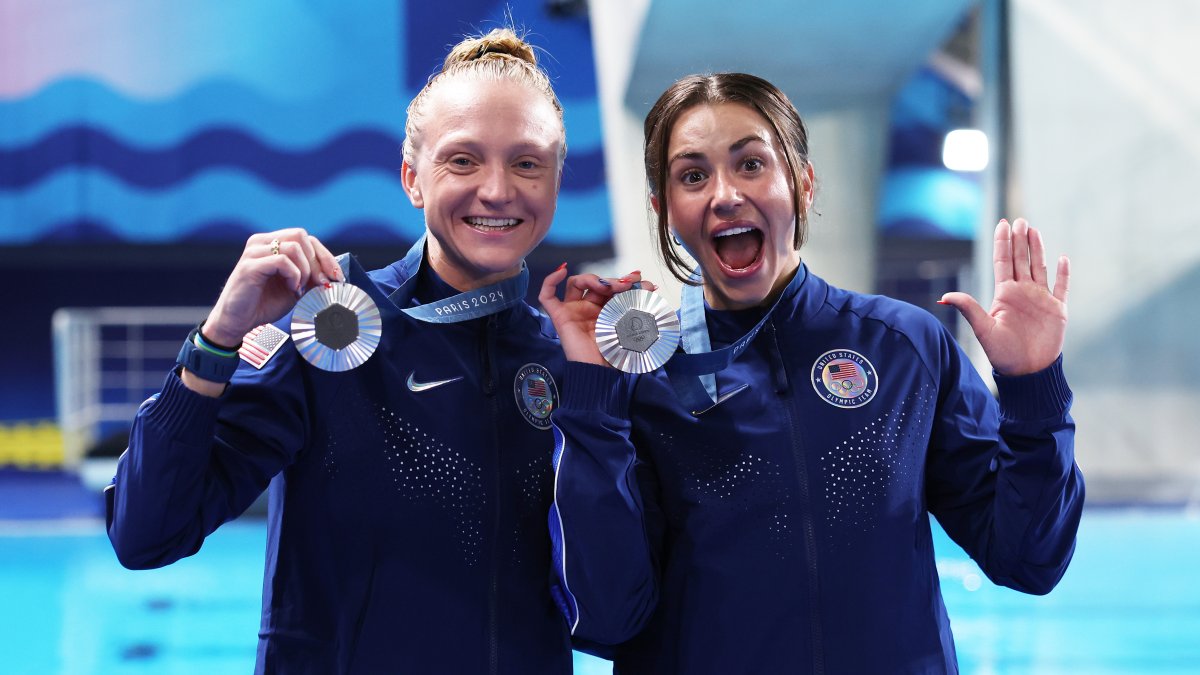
(618, 322)
(274, 270)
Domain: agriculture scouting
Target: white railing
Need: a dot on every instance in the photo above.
(107, 360)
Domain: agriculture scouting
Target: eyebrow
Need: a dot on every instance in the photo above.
(452, 144)
(737, 145)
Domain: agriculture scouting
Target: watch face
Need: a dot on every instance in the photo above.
(336, 328)
(637, 331)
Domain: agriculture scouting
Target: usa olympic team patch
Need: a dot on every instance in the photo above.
(536, 393)
(844, 378)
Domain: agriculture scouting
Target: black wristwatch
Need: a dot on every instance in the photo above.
(214, 365)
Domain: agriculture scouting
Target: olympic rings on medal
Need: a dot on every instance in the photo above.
(274, 247)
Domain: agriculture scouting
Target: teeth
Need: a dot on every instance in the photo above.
(732, 231)
(492, 222)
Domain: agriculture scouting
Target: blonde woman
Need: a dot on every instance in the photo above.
(407, 496)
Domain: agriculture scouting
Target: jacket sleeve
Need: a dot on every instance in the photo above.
(1002, 478)
(195, 462)
(605, 525)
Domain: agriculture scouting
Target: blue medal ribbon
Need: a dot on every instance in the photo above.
(474, 303)
(465, 306)
(692, 373)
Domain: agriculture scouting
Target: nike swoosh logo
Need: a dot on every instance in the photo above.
(722, 398)
(417, 387)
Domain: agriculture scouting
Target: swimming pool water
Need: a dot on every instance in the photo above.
(1129, 604)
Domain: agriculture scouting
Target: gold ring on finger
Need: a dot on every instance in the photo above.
(274, 247)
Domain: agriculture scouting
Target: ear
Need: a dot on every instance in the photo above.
(408, 176)
(808, 178)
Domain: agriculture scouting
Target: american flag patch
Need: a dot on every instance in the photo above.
(260, 345)
(537, 387)
(842, 371)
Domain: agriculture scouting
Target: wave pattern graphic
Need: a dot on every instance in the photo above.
(79, 147)
(217, 103)
(95, 199)
(225, 231)
(359, 149)
(81, 160)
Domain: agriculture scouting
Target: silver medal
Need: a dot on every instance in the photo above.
(336, 328)
(637, 331)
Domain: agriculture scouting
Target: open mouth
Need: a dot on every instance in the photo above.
(492, 224)
(738, 248)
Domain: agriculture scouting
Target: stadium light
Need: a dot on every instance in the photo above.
(965, 150)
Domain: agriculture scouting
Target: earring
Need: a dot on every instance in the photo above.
(675, 238)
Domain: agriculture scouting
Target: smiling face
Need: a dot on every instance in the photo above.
(729, 200)
(486, 173)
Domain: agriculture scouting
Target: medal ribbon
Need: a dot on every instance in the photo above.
(692, 373)
(465, 306)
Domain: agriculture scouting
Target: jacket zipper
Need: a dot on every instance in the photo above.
(489, 390)
(783, 390)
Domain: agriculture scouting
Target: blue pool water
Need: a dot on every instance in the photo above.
(1129, 604)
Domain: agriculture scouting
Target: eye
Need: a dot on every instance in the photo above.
(460, 161)
(752, 164)
(527, 165)
(691, 176)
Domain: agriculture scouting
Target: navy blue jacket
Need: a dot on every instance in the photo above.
(786, 529)
(406, 528)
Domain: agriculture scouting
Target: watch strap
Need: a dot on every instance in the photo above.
(204, 361)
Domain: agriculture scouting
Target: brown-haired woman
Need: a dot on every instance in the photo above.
(407, 496)
(762, 506)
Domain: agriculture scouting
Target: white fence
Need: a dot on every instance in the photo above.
(108, 360)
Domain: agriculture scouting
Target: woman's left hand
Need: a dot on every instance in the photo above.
(1024, 331)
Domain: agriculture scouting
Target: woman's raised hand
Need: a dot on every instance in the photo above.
(574, 316)
(1024, 331)
(275, 269)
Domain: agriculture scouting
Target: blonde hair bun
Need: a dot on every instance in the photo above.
(500, 55)
(499, 43)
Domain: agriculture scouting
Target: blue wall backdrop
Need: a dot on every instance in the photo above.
(141, 142)
(920, 198)
(928, 214)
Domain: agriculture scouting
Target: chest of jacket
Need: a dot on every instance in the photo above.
(441, 437)
(838, 416)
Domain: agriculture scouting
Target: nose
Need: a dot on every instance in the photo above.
(496, 185)
(727, 198)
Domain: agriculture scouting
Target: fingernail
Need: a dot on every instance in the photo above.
(624, 280)
(604, 282)
(561, 267)
(328, 285)
(635, 272)
(942, 302)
